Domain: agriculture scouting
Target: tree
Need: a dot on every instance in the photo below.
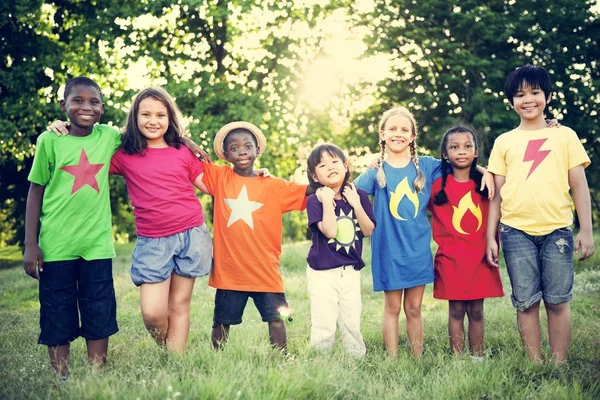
(450, 61)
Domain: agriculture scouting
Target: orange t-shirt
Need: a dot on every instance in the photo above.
(247, 228)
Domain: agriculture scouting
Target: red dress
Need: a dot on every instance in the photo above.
(459, 229)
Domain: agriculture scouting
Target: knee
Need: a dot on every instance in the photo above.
(412, 311)
(475, 314)
(179, 308)
(556, 308)
(393, 308)
(457, 312)
(154, 318)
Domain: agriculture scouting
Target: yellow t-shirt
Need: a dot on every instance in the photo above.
(535, 197)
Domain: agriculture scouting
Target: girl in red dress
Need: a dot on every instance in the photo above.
(459, 218)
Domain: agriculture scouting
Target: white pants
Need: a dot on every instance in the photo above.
(335, 297)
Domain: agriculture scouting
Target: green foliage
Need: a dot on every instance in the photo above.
(450, 60)
(248, 368)
(222, 61)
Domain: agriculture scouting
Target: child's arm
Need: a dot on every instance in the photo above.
(32, 258)
(493, 220)
(584, 242)
(201, 185)
(197, 150)
(328, 225)
(366, 225)
(487, 181)
(59, 127)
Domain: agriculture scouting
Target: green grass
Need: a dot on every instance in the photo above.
(248, 368)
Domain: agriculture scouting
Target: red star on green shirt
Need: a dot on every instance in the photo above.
(84, 173)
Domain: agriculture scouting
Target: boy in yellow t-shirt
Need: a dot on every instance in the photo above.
(534, 168)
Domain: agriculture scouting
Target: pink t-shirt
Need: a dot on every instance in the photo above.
(160, 185)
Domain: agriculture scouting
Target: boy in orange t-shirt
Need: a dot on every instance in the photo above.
(247, 232)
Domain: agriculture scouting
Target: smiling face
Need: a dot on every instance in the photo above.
(153, 121)
(84, 108)
(460, 150)
(241, 150)
(397, 133)
(529, 102)
(330, 171)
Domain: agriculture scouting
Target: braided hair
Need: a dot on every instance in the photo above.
(476, 176)
(419, 181)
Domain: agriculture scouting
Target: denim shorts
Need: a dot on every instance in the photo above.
(188, 254)
(74, 289)
(230, 305)
(539, 267)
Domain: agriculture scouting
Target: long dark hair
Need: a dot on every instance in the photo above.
(314, 158)
(133, 140)
(476, 176)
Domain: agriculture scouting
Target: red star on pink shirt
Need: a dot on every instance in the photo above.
(84, 173)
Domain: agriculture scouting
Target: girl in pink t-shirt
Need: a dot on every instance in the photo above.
(173, 245)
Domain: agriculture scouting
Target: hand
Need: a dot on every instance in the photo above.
(492, 253)
(552, 123)
(32, 260)
(584, 245)
(203, 155)
(351, 195)
(488, 181)
(61, 128)
(375, 163)
(326, 195)
(264, 172)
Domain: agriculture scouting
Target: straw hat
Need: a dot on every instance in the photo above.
(220, 136)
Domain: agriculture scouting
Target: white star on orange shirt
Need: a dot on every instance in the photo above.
(242, 208)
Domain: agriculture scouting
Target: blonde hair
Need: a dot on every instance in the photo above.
(419, 181)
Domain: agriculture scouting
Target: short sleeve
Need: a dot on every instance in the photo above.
(366, 205)
(211, 175)
(314, 211)
(195, 166)
(291, 196)
(42, 161)
(367, 181)
(577, 153)
(115, 164)
(433, 166)
(497, 161)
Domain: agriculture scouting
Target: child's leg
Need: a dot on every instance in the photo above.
(476, 324)
(180, 296)
(219, 335)
(529, 329)
(559, 330)
(98, 307)
(324, 306)
(97, 351)
(154, 304)
(59, 359)
(389, 326)
(350, 310)
(277, 334)
(456, 328)
(413, 298)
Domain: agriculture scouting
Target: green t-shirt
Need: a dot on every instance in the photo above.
(75, 218)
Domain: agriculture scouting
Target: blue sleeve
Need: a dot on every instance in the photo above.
(367, 181)
(366, 204)
(314, 210)
(431, 167)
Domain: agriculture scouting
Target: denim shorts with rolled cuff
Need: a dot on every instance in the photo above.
(188, 254)
(539, 267)
(230, 305)
(73, 290)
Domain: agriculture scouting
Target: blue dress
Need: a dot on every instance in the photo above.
(401, 254)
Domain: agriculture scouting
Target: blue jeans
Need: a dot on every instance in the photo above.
(539, 267)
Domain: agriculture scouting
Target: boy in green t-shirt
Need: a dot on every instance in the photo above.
(69, 196)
